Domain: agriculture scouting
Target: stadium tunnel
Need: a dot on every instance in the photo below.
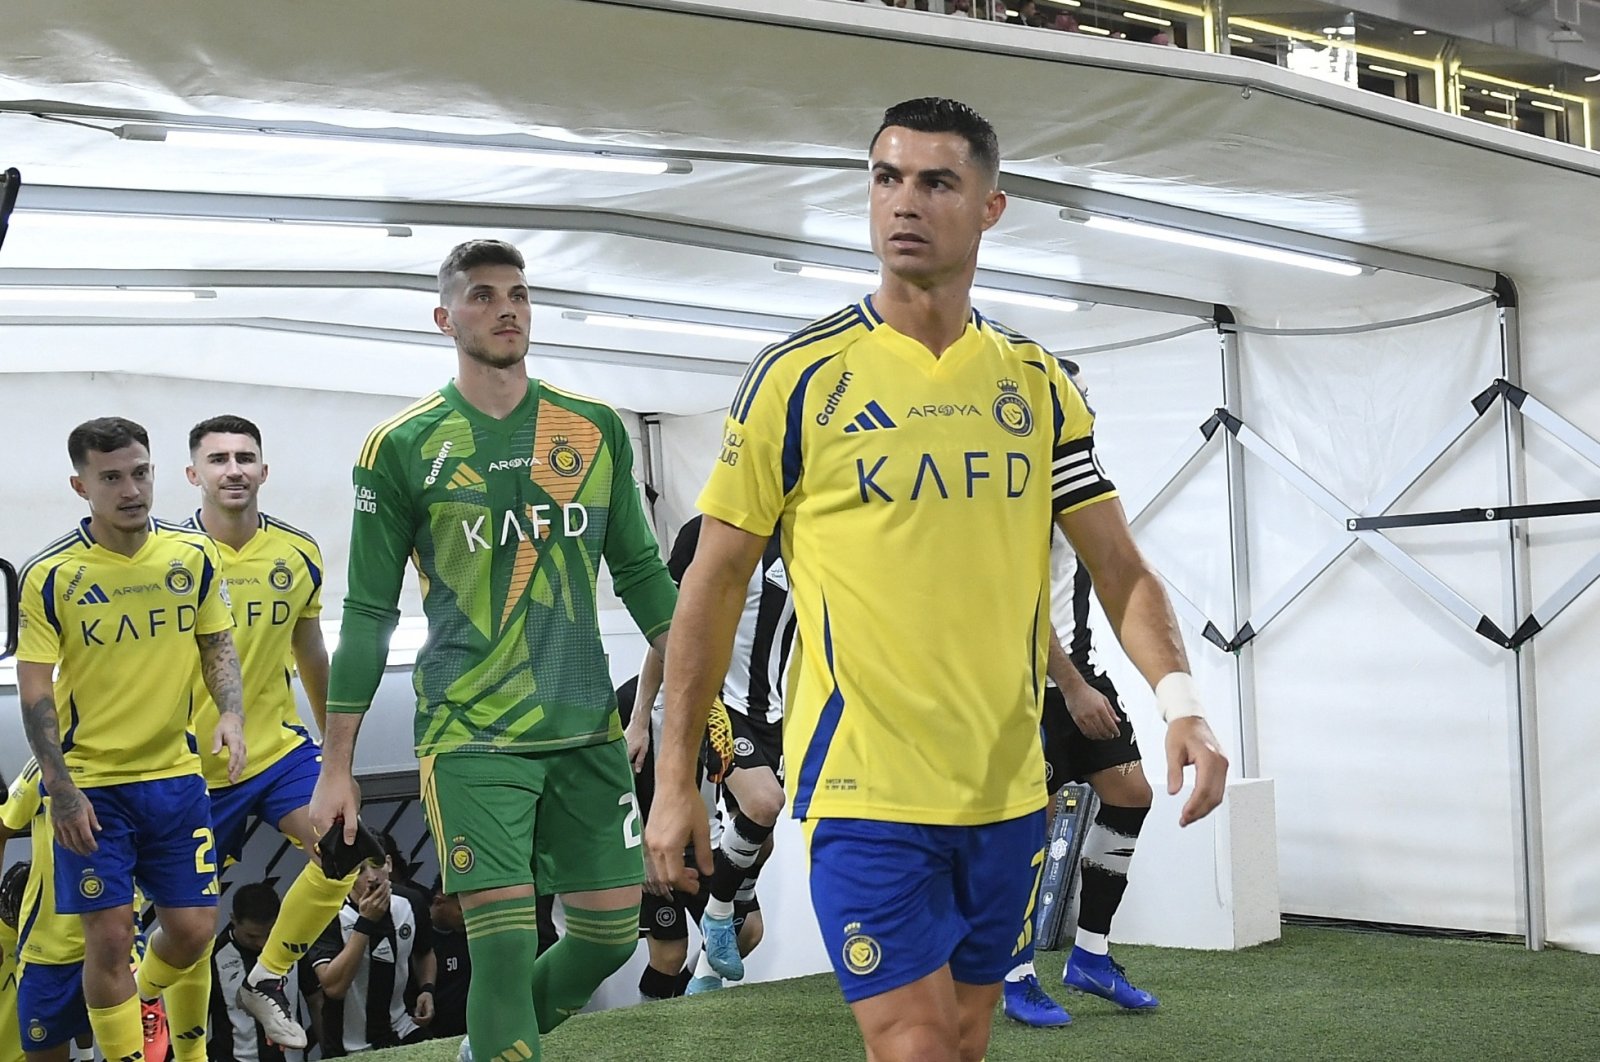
(218, 215)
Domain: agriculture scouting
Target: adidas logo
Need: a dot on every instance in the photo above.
(871, 418)
(95, 596)
(464, 477)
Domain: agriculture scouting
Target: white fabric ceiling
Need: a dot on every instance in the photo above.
(790, 85)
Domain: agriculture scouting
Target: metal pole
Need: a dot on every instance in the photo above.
(1239, 540)
(1215, 27)
(1530, 817)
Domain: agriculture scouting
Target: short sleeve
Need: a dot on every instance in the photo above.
(39, 628)
(758, 460)
(1076, 476)
(216, 613)
(314, 569)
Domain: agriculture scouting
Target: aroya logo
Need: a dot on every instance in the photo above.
(872, 418)
(95, 596)
(438, 463)
(513, 462)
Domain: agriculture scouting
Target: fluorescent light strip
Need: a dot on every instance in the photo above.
(1239, 38)
(682, 328)
(1392, 71)
(1339, 31)
(1542, 90)
(1168, 5)
(1123, 226)
(1504, 117)
(1591, 79)
(1542, 105)
(93, 295)
(1096, 30)
(980, 293)
(1419, 33)
(1500, 96)
(421, 151)
(164, 225)
(1313, 38)
(1151, 19)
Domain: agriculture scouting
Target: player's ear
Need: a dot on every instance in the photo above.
(441, 319)
(191, 475)
(77, 487)
(265, 468)
(993, 207)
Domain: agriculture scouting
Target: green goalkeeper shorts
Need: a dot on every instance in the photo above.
(564, 821)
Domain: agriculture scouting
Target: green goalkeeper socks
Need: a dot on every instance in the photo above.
(502, 940)
(595, 945)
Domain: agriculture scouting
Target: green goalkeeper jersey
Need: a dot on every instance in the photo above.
(507, 522)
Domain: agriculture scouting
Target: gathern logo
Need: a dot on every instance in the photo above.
(830, 405)
(404, 932)
(179, 579)
(36, 1031)
(564, 459)
(1011, 410)
(861, 953)
(461, 857)
(280, 578)
(744, 747)
(438, 463)
(666, 916)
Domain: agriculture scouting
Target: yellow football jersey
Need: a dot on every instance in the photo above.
(10, 1033)
(915, 497)
(45, 936)
(274, 582)
(123, 630)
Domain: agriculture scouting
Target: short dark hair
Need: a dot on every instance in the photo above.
(471, 255)
(934, 114)
(256, 903)
(398, 866)
(226, 424)
(104, 435)
(1071, 366)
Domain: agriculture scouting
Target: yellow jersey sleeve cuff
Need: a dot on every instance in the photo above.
(744, 521)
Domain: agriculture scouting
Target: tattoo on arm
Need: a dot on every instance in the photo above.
(219, 664)
(43, 729)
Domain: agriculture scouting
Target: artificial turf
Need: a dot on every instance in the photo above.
(1316, 994)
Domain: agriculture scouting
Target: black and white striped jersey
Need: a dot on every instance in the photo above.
(1069, 605)
(761, 644)
(235, 1036)
(373, 1011)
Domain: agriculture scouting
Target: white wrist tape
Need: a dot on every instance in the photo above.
(1177, 697)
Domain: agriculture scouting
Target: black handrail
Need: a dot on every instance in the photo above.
(10, 185)
(13, 607)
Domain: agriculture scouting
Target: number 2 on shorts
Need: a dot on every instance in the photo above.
(631, 837)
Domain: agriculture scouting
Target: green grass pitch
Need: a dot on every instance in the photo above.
(1317, 994)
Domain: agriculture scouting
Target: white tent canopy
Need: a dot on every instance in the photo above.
(1424, 774)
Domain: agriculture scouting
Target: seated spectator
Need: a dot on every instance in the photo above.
(455, 967)
(1164, 39)
(235, 1035)
(960, 7)
(362, 960)
(1066, 23)
(1028, 14)
(403, 884)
